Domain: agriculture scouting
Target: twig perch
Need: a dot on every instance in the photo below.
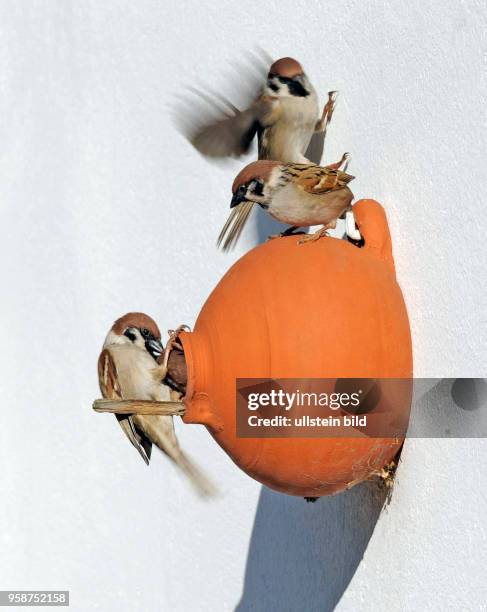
(139, 407)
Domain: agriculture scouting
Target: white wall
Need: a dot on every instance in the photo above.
(106, 208)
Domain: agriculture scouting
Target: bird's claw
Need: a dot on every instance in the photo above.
(173, 342)
(327, 111)
(323, 232)
(313, 237)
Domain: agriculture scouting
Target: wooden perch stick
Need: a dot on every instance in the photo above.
(139, 407)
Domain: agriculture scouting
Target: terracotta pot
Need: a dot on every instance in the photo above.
(317, 310)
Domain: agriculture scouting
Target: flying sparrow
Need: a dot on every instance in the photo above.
(128, 368)
(297, 194)
(283, 115)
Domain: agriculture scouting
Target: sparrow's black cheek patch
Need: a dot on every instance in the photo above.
(258, 188)
(296, 89)
(273, 86)
(130, 335)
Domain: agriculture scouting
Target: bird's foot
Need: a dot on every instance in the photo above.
(316, 236)
(173, 342)
(327, 112)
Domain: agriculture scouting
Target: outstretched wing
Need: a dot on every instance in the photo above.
(229, 136)
(230, 133)
(216, 126)
(110, 389)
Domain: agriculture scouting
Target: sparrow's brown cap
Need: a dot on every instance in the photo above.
(138, 320)
(286, 67)
(256, 170)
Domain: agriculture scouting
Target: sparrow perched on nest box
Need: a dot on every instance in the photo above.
(284, 115)
(297, 194)
(128, 368)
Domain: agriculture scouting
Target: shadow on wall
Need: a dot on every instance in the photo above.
(265, 226)
(316, 148)
(449, 408)
(302, 556)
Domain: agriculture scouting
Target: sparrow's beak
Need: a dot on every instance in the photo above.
(154, 347)
(237, 199)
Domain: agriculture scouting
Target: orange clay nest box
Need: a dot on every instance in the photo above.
(323, 309)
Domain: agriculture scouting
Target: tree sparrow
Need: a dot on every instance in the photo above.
(284, 116)
(297, 194)
(128, 369)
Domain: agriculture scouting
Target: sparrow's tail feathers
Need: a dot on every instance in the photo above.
(140, 442)
(160, 429)
(234, 225)
(145, 449)
(203, 486)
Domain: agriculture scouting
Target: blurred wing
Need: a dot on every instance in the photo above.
(110, 389)
(217, 127)
(229, 136)
(234, 225)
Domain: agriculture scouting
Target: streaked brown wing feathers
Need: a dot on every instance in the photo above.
(107, 376)
(110, 389)
(316, 179)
